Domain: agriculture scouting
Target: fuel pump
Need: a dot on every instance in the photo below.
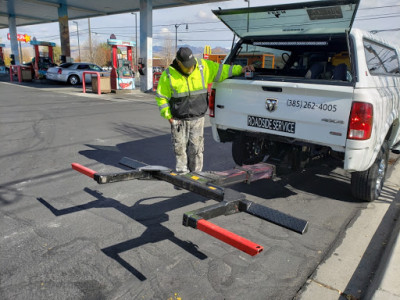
(42, 63)
(2, 64)
(122, 75)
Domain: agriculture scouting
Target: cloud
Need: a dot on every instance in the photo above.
(164, 30)
(206, 15)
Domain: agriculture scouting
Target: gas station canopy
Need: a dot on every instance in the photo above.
(15, 13)
(30, 12)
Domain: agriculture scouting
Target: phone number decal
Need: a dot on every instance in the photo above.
(311, 105)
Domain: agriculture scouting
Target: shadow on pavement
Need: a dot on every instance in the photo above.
(151, 216)
(157, 150)
(318, 179)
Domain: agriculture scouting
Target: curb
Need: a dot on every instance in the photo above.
(385, 284)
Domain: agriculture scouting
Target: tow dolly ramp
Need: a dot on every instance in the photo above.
(210, 185)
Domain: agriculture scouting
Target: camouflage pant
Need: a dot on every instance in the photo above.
(188, 143)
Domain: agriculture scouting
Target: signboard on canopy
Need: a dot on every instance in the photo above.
(121, 43)
(21, 37)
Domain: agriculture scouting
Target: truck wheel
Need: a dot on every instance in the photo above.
(247, 150)
(367, 185)
(73, 80)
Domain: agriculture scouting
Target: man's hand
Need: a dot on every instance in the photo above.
(248, 68)
(176, 123)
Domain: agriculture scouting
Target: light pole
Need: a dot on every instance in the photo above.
(136, 46)
(248, 19)
(176, 34)
(90, 41)
(248, 6)
(77, 32)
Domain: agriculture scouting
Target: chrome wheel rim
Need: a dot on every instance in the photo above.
(381, 175)
(74, 80)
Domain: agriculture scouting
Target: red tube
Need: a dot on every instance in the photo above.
(229, 237)
(83, 170)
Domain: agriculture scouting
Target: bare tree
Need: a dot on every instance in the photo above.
(27, 54)
(7, 59)
(168, 52)
(89, 52)
(57, 54)
(102, 54)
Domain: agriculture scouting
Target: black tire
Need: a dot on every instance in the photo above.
(367, 185)
(247, 150)
(73, 80)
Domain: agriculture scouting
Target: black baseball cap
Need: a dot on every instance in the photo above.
(185, 56)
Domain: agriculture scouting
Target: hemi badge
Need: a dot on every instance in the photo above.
(335, 133)
(332, 121)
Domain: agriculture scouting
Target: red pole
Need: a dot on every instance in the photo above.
(36, 47)
(129, 54)
(51, 54)
(113, 75)
(83, 83)
(229, 237)
(83, 170)
(19, 73)
(115, 56)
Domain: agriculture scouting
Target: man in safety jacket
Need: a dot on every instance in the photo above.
(182, 100)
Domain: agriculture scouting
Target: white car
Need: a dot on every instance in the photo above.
(72, 72)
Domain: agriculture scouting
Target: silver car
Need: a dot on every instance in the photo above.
(72, 72)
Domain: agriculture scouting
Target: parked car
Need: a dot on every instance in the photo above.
(72, 72)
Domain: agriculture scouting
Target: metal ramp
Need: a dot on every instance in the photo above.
(210, 185)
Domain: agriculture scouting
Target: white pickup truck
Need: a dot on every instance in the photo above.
(319, 86)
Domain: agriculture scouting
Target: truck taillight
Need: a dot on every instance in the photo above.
(59, 71)
(211, 103)
(361, 119)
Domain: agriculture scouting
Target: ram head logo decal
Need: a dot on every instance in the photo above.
(271, 104)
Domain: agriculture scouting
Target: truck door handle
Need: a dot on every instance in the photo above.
(220, 106)
(272, 89)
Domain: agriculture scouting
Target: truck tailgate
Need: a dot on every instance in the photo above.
(309, 112)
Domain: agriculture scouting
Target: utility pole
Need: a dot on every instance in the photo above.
(248, 6)
(90, 42)
(248, 20)
(176, 35)
(20, 51)
(77, 32)
(136, 47)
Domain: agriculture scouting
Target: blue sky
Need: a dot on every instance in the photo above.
(203, 27)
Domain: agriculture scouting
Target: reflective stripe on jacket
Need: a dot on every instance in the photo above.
(185, 97)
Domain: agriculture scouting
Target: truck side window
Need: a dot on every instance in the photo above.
(381, 59)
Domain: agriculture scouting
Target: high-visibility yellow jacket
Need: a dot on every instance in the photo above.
(185, 97)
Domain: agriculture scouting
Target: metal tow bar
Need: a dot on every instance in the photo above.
(210, 185)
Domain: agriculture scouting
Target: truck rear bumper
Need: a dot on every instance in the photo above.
(359, 159)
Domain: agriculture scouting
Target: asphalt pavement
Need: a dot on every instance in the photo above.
(63, 236)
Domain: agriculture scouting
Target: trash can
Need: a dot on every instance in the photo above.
(105, 83)
(26, 73)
